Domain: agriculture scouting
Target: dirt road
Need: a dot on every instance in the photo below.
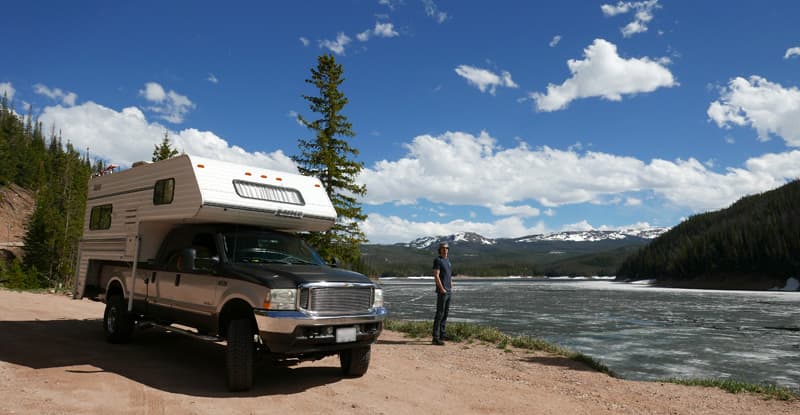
(53, 360)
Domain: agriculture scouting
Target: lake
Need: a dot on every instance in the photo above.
(639, 331)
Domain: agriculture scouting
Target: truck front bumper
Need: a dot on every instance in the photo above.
(298, 332)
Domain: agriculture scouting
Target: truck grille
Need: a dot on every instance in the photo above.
(326, 300)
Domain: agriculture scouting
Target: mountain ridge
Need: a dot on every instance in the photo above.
(593, 235)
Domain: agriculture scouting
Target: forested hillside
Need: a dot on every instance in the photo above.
(755, 243)
(57, 174)
(504, 257)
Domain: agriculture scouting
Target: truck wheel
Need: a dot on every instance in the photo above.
(355, 362)
(241, 349)
(117, 322)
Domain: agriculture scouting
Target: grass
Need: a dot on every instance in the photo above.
(732, 386)
(473, 333)
(466, 332)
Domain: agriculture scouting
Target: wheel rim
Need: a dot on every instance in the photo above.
(111, 320)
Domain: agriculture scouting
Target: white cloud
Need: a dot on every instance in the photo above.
(363, 36)
(153, 92)
(391, 229)
(170, 106)
(795, 51)
(67, 98)
(522, 211)
(435, 168)
(384, 30)
(485, 79)
(603, 73)
(304, 41)
(766, 106)
(126, 136)
(296, 117)
(620, 8)
(433, 11)
(577, 227)
(632, 201)
(213, 79)
(8, 90)
(336, 46)
(637, 225)
(642, 16)
(388, 3)
(555, 41)
(380, 30)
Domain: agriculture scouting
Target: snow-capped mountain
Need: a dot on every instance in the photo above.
(461, 237)
(426, 242)
(596, 235)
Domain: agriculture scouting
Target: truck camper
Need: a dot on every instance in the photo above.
(211, 249)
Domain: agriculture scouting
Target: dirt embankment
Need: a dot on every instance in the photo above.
(53, 360)
(16, 207)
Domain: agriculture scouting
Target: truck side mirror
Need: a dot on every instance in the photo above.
(188, 257)
(334, 262)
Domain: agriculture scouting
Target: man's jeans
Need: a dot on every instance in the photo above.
(440, 321)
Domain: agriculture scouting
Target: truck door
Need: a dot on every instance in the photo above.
(163, 290)
(189, 292)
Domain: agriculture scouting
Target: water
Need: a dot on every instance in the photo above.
(639, 332)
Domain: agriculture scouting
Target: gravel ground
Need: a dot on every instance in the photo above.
(53, 360)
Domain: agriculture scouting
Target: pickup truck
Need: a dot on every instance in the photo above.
(261, 290)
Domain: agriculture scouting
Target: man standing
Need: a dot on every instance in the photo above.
(442, 273)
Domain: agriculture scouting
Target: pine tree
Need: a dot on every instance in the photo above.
(329, 157)
(165, 150)
(53, 231)
(6, 166)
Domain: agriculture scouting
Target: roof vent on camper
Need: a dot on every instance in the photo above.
(267, 192)
(139, 163)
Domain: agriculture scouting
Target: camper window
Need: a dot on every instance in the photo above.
(100, 217)
(163, 192)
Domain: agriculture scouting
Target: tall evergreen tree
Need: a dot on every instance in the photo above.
(53, 231)
(6, 166)
(165, 150)
(329, 157)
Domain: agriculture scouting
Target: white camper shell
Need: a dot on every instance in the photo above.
(129, 213)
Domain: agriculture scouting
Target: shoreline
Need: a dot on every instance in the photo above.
(470, 332)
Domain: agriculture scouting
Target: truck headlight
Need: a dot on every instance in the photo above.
(378, 299)
(281, 299)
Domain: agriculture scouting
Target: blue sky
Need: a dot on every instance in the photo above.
(505, 118)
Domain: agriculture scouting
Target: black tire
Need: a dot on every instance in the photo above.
(240, 353)
(355, 362)
(117, 322)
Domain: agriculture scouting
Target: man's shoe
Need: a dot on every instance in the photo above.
(438, 342)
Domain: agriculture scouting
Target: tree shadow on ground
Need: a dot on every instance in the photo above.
(162, 360)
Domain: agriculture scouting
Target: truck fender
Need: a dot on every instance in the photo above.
(252, 294)
(116, 285)
(228, 297)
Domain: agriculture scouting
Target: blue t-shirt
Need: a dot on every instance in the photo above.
(443, 265)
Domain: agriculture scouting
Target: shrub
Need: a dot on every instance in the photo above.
(15, 277)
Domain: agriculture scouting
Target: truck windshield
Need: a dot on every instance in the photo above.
(265, 247)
